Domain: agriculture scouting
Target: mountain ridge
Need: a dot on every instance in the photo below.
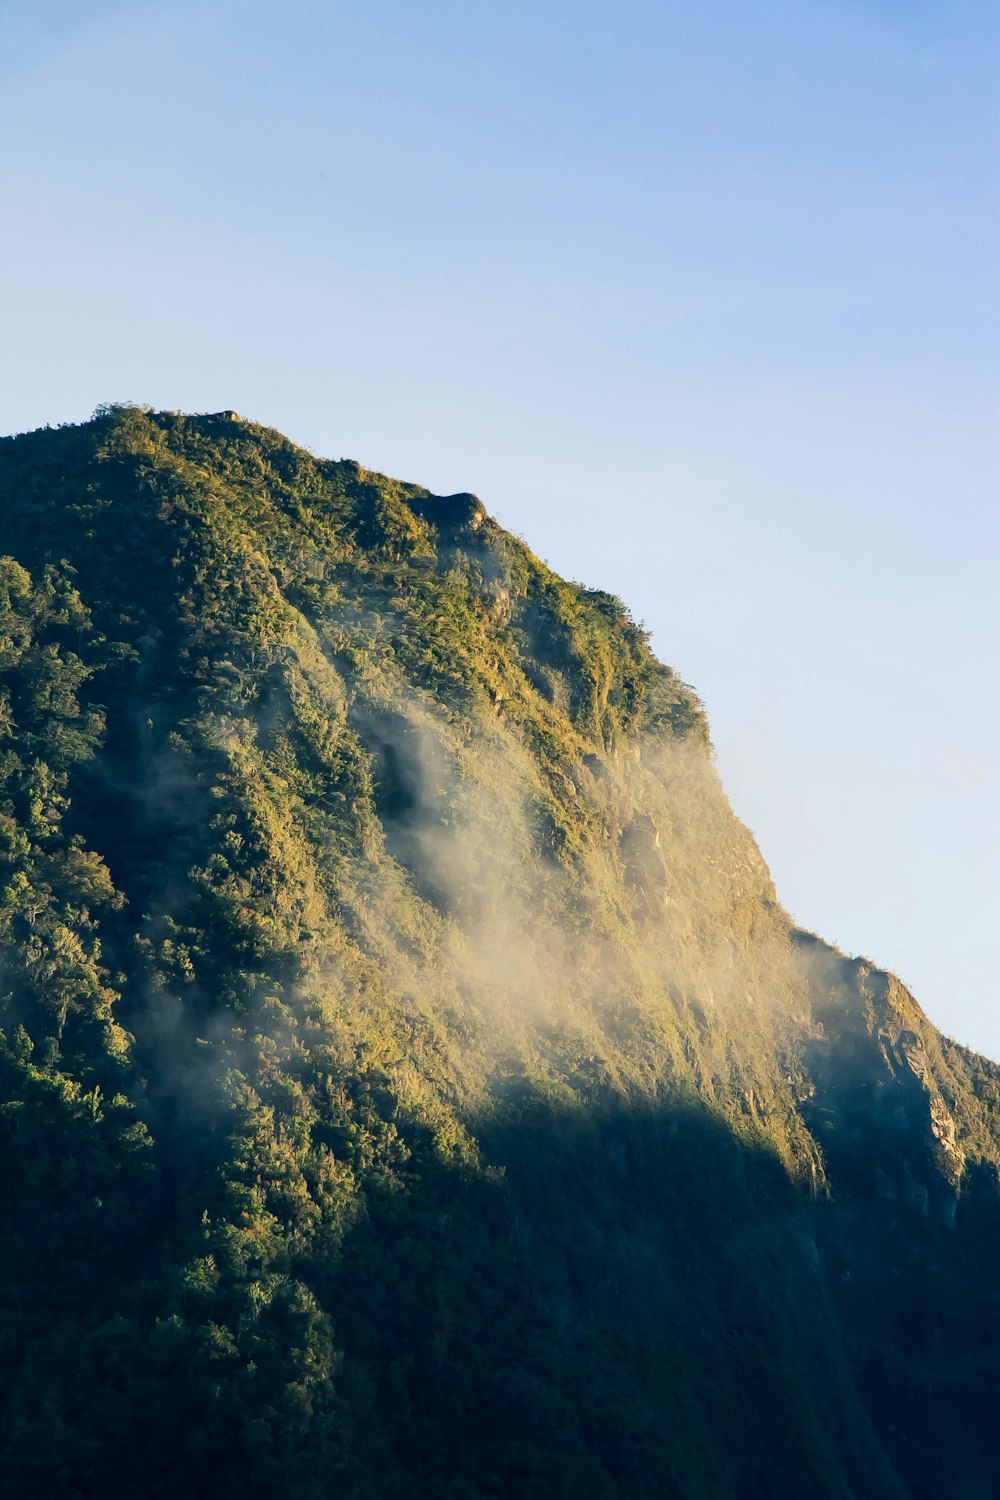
(373, 912)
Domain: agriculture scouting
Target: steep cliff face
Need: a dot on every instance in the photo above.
(411, 1081)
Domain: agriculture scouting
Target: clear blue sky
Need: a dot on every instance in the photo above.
(702, 298)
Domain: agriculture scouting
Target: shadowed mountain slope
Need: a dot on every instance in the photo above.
(410, 1081)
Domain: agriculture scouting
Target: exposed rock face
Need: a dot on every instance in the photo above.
(645, 871)
(451, 511)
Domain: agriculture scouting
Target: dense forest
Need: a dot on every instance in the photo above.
(410, 1083)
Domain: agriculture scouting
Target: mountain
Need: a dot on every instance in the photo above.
(411, 1083)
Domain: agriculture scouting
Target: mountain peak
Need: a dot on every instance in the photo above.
(412, 1082)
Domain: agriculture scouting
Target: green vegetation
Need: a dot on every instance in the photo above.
(409, 1084)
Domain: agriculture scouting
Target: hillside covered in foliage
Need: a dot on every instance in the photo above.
(409, 1081)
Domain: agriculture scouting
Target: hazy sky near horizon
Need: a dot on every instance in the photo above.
(701, 298)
